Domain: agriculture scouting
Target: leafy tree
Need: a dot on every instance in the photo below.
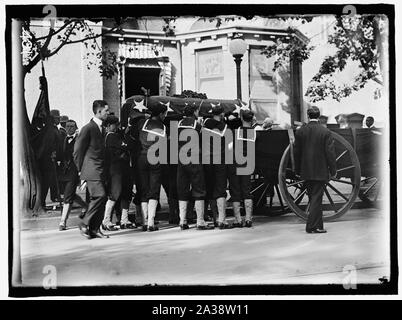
(356, 38)
(38, 48)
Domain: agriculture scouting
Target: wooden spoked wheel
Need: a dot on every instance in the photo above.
(339, 193)
(264, 192)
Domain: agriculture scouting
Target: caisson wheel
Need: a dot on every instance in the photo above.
(339, 193)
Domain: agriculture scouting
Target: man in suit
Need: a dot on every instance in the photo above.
(89, 156)
(315, 161)
(370, 122)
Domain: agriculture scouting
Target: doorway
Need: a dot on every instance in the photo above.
(136, 77)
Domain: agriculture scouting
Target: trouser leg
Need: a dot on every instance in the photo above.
(80, 201)
(138, 213)
(94, 215)
(173, 210)
(315, 190)
(214, 209)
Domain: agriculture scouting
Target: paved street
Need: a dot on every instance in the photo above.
(276, 250)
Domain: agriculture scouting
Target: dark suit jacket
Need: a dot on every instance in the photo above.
(68, 170)
(89, 152)
(314, 152)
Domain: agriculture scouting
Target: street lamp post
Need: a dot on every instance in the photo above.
(237, 48)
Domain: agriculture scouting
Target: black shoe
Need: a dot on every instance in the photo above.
(238, 224)
(153, 228)
(109, 227)
(84, 230)
(144, 228)
(224, 226)
(249, 224)
(205, 227)
(317, 231)
(62, 227)
(184, 226)
(127, 226)
(98, 234)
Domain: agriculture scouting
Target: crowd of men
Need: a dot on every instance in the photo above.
(112, 164)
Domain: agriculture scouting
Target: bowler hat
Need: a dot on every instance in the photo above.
(55, 113)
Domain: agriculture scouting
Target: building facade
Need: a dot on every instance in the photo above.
(197, 57)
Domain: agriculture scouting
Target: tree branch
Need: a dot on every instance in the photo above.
(94, 36)
(35, 61)
(63, 43)
(58, 31)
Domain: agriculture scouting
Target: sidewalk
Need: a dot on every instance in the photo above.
(276, 250)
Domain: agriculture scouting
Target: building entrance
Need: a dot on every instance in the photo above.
(135, 78)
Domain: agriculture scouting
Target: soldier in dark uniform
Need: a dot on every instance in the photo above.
(240, 185)
(216, 173)
(69, 174)
(190, 172)
(119, 182)
(150, 174)
(133, 134)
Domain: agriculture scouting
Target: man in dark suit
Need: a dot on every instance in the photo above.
(89, 156)
(315, 161)
(370, 122)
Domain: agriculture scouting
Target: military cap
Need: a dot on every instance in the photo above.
(63, 119)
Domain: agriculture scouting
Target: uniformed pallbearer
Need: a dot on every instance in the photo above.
(119, 182)
(190, 172)
(240, 185)
(216, 173)
(150, 175)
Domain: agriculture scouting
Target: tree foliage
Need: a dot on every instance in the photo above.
(36, 48)
(355, 40)
(285, 50)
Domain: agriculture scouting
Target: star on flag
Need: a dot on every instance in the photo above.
(140, 106)
(242, 107)
(169, 109)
